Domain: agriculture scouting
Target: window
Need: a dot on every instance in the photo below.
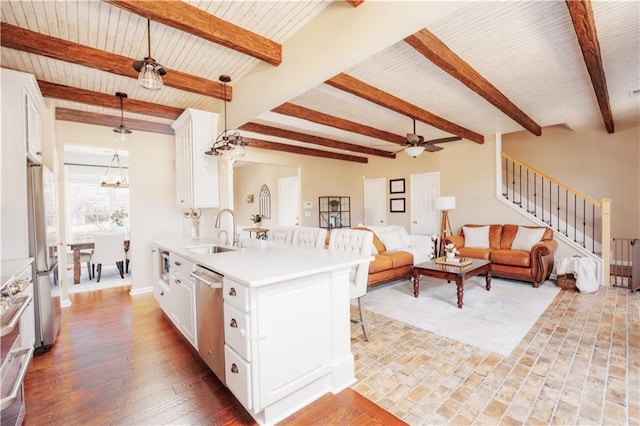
(91, 206)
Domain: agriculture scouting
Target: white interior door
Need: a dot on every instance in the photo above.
(375, 202)
(289, 201)
(425, 187)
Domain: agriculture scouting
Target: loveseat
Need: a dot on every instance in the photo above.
(395, 252)
(516, 252)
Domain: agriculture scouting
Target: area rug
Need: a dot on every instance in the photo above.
(495, 320)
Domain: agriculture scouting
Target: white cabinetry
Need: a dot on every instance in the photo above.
(196, 172)
(181, 306)
(160, 285)
(280, 341)
(28, 321)
(22, 105)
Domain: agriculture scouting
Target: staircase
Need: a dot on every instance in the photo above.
(581, 221)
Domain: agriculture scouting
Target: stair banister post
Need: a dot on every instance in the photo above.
(606, 240)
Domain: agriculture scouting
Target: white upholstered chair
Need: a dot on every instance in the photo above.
(308, 236)
(358, 242)
(109, 248)
(85, 257)
(281, 234)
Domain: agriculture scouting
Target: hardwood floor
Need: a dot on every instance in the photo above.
(119, 360)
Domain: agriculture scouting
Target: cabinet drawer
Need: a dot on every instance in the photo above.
(238, 376)
(181, 265)
(236, 330)
(235, 294)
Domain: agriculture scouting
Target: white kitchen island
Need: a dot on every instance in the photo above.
(286, 322)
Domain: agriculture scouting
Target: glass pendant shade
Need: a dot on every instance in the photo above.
(414, 151)
(149, 76)
(121, 131)
(151, 72)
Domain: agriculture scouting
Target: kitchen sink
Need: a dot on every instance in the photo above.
(208, 249)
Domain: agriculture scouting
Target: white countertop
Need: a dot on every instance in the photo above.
(263, 262)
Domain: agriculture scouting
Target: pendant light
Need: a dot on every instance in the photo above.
(151, 72)
(229, 141)
(122, 130)
(120, 180)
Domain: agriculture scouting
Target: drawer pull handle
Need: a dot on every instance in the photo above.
(162, 293)
(234, 368)
(177, 263)
(178, 281)
(233, 324)
(232, 291)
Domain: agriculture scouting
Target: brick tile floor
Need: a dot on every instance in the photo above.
(579, 364)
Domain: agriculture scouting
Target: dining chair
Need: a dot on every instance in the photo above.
(85, 257)
(308, 236)
(281, 234)
(108, 249)
(355, 241)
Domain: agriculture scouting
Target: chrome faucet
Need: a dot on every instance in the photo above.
(226, 237)
(235, 229)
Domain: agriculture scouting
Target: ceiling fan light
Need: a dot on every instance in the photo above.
(414, 151)
(150, 76)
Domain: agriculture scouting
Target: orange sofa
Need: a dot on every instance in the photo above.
(388, 265)
(516, 252)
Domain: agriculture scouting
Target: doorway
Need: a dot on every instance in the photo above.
(91, 207)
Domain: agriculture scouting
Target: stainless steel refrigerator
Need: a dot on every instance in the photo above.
(43, 244)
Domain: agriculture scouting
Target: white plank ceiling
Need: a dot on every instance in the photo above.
(526, 49)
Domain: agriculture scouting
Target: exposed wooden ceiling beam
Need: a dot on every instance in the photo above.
(190, 19)
(437, 52)
(75, 94)
(274, 146)
(373, 94)
(298, 111)
(585, 27)
(40, 44)
(301, 137)
(66, 114)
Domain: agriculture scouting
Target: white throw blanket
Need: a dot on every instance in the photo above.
(584, 270)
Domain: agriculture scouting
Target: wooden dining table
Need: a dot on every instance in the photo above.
(82, 244)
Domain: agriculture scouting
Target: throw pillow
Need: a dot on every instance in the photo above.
(526, 238)
(476, 236)
(391, 240)
(376, 241)
(404, 236)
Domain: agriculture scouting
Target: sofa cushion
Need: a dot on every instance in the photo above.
(526, 238)
(511, 257)
(399, 258)
(476, 253)
(380, 263)
(476, 236)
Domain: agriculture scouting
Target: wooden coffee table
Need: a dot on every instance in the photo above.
(451, 273)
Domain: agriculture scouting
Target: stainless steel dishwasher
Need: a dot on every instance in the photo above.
(210, 319)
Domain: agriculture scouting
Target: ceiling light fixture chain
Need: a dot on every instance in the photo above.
(229, 141)
(122, 130)
(151, 72)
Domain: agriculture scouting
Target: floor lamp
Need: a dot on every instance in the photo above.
(444, 204)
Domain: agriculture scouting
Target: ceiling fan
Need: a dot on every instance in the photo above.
(416, 144)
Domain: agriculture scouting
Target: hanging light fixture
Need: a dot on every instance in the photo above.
(151, 72)
(119, 180)
(414, 142)
(122, 130)
(229, 141)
